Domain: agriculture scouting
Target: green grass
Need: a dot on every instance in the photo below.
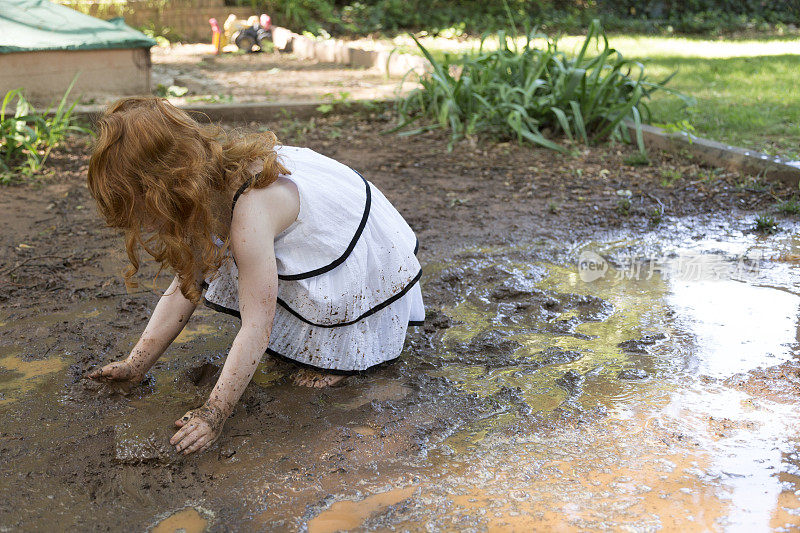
(745, 90)
(789, 207)
(766, 224)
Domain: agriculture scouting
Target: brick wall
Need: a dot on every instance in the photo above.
(184, 19)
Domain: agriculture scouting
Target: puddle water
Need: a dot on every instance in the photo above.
(659, 362)
(19, 376)
(188, 520)
(654, 386)
(347, 515)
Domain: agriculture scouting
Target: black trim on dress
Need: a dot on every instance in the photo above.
(350, 247)
(334, 371)
(372, 311)
(364, 315)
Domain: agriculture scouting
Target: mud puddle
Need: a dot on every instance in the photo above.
(639, 384)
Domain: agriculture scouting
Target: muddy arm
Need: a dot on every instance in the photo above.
(169, 318)
(258, 217)
(258, 291)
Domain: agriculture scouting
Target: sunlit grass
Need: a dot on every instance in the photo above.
(747, 91)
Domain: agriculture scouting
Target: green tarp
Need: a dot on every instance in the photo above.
(30, 25)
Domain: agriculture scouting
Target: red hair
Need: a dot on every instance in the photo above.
(155, 170)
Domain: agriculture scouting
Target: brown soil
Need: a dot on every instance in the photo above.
(263, 77)
(286, 449)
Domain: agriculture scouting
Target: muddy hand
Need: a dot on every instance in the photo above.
(117, 371)
(199, 430)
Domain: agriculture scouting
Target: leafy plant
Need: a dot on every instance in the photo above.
(211, 99)
(766, 224)
(681, 126)
(523, 91)
(789, 207)
(624, 206)
(170, 91)
(27, 137)
(343, 98)
(656, 216)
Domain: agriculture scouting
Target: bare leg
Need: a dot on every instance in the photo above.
(315, 379)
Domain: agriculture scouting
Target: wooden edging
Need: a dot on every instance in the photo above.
(710, 152)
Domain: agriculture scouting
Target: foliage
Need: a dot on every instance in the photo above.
(477, 16)
(170, 91)
(163, 35)
(522, 91)
(27, 136)
(333, 99)
(789, 207)
(766, 224)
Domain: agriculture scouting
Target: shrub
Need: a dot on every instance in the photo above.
(522, 91)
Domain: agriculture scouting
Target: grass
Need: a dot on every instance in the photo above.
(669, 176)
(27, 137)
(766, 224)
(638, 159)
(789, 207)
(743, 88)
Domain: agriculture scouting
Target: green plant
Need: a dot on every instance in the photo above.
(522, 91)
(638, 159)
(709, 175)
(681, 126)
(211, 98)
(163, 35)
(334, 99)
(27, 137)
(553, 207)
(789, 207)
(669, 176)
(624, 206)
(294, 129)
(766, 224)
(171, 91)
(656, 216)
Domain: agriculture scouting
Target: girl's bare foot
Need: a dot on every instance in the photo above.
(314, 379)
(119, 371)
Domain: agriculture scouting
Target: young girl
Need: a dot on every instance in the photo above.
(313, 259)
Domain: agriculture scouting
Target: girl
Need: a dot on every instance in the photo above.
(313, 259)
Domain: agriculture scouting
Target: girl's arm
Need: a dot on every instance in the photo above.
(169, 317)
(260, 216)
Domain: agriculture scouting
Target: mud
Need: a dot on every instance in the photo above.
(530, 399)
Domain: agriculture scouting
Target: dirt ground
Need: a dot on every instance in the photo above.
(81, 459)
(263, 77)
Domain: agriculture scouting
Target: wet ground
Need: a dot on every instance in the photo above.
(582, 367)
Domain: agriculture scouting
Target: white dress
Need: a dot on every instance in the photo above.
(347, 271)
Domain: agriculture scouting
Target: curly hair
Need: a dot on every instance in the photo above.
(163, 179)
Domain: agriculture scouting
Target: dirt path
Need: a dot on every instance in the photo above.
(75, 458)
(263, 77)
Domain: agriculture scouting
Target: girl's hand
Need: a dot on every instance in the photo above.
(200, 428)
(120, 371)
